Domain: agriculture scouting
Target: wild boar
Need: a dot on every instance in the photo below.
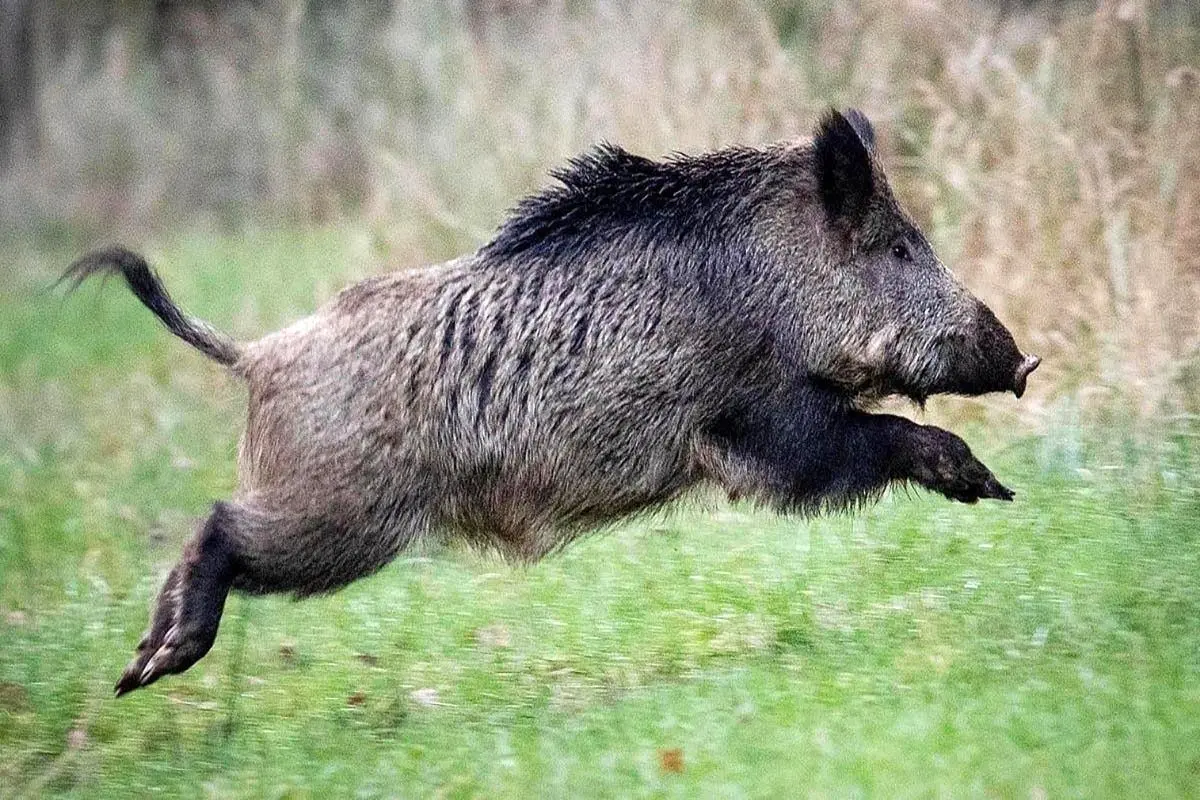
(637, 329)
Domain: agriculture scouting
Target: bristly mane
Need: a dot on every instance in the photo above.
(608, 194)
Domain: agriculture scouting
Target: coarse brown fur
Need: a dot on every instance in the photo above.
(630, 333)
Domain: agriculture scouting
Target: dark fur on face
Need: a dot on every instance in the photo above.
(640, 328)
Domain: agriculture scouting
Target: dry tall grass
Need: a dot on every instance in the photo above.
(1053, 152)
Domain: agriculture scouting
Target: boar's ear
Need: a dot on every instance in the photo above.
(843, 163)
(862, 126)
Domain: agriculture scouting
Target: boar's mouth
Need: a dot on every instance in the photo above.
(985, 360)
(972, 383)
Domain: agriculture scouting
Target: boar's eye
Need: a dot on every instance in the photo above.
(900, 251)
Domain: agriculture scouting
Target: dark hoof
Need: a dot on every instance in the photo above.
(178, 650)
(947, 466)
(995, 490)
(188, 612)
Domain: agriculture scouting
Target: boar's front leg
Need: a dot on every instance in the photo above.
(809, 451)
(877, 449)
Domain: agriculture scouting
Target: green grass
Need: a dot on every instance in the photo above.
(1046, 648)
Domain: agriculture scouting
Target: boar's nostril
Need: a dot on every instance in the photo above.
(1027, 365)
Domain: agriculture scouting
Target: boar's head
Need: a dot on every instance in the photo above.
(878, 312)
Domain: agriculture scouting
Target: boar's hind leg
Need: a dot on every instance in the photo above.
(189, 606)
(253, 549)
(315, 552)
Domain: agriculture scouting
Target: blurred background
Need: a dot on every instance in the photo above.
(1052, 149)
(265, 154)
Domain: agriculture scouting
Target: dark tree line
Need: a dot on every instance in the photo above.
(18, 84)
(36, 34)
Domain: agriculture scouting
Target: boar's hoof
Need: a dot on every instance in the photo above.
(945, 464)
(972, 487)
(993, 489)
(188, 612)
(182, 646)
(1027, 365)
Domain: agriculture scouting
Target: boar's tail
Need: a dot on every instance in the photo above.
(149, 289)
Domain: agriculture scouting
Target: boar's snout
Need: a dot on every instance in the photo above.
(1028, 364)
(986, 359)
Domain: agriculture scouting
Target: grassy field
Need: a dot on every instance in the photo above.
(1041, 649)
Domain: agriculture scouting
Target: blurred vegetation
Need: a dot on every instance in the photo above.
(1052, 149)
